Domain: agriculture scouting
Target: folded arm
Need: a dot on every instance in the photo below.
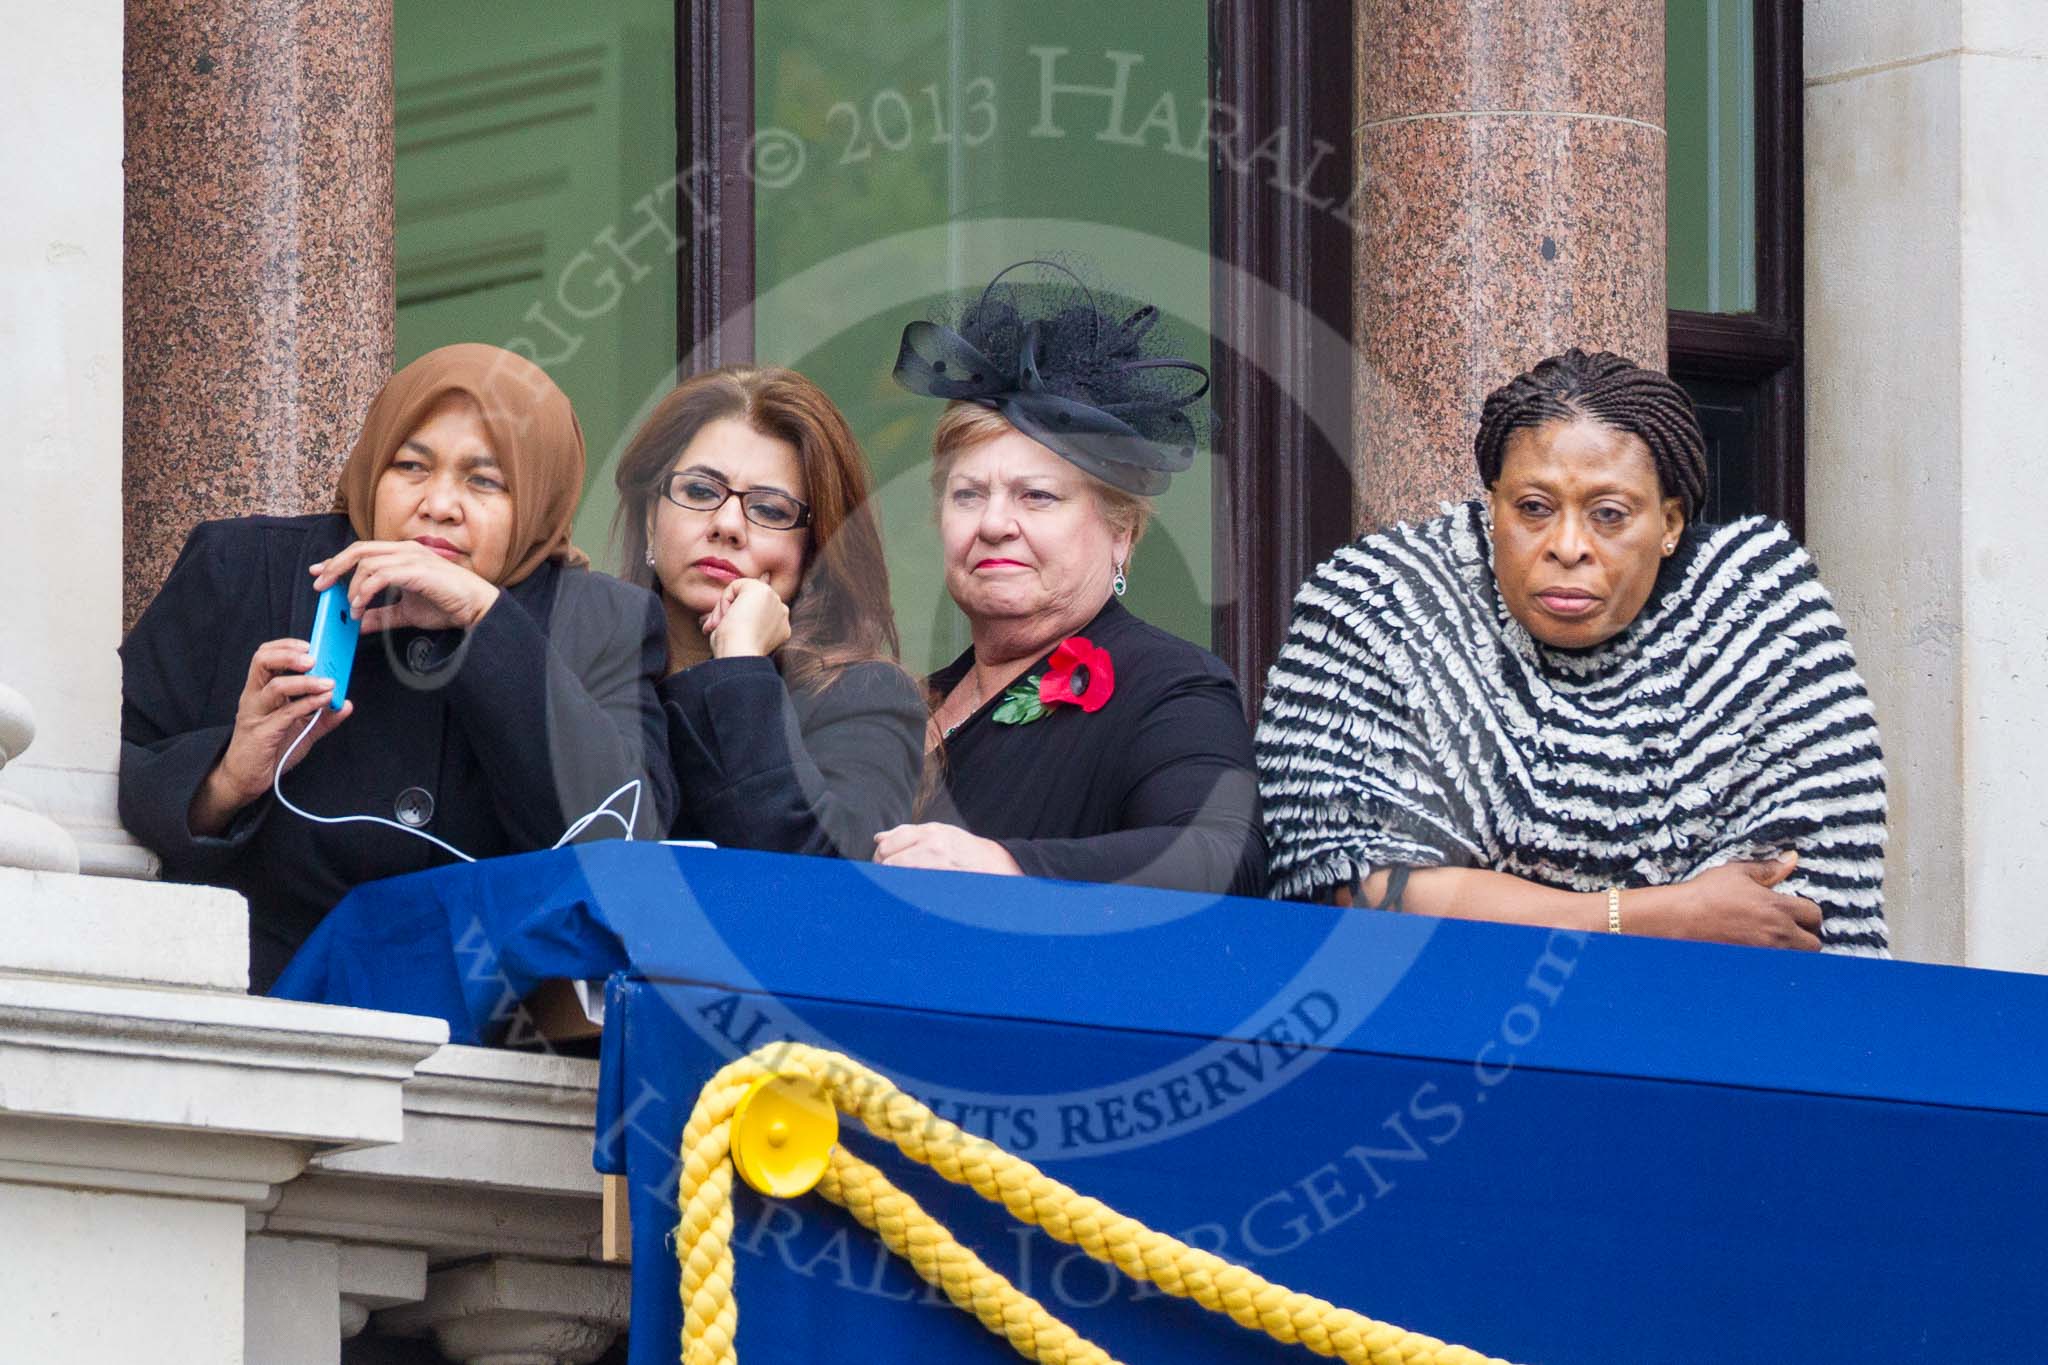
(756, 774)
(1190, 817)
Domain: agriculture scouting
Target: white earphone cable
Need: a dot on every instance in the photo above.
(583, 822)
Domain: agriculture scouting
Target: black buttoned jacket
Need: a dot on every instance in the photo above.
(493, 741)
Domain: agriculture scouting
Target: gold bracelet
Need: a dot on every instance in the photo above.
(1613, 909)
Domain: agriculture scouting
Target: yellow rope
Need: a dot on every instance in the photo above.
(704, 1233)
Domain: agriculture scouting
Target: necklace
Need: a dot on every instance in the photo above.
(974, 675)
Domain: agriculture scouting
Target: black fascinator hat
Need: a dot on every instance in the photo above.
(1095, 385)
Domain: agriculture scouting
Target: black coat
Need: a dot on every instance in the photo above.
(815, 771)
(1157, 788)
(509, 734)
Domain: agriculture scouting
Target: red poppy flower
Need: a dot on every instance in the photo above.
(1079, 675)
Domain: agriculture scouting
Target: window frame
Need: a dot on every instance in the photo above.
(1282, 491)
(714, 132)
(1764, 350)
(1284, 494)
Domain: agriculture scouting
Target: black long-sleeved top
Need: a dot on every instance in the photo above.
(502, 736)
(1156, 788)
(818, 771)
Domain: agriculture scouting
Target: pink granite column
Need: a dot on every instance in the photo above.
(1511, 164)
(258, 260)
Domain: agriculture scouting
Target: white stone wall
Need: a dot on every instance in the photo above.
(149, 1111)
(121, 1276)
(1927, 493)
(253, 1180)
(60, 407)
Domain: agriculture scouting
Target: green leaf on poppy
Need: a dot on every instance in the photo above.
(1020, 705)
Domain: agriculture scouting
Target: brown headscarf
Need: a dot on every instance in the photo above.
(533, 431)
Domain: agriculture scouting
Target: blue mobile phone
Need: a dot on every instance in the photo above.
(334, 642)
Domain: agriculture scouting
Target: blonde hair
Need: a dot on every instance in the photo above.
(966, 426)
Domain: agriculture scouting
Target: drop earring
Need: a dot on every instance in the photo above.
(650, 556)
(1119, 583)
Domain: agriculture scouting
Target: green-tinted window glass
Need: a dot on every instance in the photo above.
(909, 149)
(1710, 112)
(536, 207)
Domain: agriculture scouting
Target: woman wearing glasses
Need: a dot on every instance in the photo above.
(745, 502)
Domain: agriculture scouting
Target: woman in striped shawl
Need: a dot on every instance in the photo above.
(1569, 703)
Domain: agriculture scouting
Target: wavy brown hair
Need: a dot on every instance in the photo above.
(841, 614)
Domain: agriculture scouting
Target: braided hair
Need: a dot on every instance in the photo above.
(1616, 393)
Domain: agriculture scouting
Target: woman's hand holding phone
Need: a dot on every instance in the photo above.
(433, 593)
(277, 700)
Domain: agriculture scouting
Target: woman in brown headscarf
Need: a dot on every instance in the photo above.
(500, 689)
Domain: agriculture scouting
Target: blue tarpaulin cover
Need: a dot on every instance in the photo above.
(1550, 1147)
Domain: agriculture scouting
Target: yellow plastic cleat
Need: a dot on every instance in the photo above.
(783, 1132)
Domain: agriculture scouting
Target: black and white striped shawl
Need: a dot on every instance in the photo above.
(1412, 720)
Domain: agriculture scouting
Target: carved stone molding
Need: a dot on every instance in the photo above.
(506, 1311)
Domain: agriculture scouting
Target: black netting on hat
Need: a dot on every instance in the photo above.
(1089, 374)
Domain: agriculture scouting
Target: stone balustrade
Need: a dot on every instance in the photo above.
(492, 1191)
(194, 1176)
(27, 838)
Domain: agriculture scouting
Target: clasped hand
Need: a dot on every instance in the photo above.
(1741, 903)
(947, 848)
(750, 621)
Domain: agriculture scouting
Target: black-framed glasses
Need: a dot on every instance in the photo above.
(763, 506)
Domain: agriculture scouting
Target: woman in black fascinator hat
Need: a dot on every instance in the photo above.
(1075, 741)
